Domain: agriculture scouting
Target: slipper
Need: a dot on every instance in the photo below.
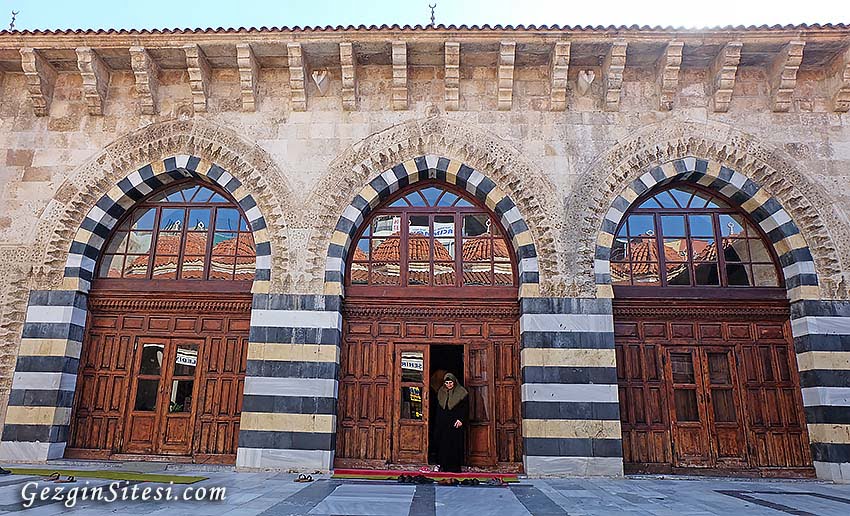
(53, 477)
(304, 478)
(67, 480)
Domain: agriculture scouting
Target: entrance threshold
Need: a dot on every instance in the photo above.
(393, 474)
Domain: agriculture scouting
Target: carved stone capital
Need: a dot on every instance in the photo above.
(41, 78)
(297, 77)
(95, 74)
(558, 75)
(452, 49)
(612, 73)
(146, 72)
(199, 76)
(723, 73)
(348, 64)
(783, 75)
(839, 83)
(248, 75)
(507, 57)
(668, 74)
(400, 101)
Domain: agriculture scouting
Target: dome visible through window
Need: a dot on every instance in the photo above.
(684, 236)
(185, 232)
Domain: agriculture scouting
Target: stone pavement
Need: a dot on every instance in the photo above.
(275, 493)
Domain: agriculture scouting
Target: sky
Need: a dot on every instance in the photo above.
(62, 14)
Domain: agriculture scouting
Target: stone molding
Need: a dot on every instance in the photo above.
(723, 73)
(807, 203)
(348, 67)
(559, 76)
(199, 76)
(612, 75)
(88, 183)
(41, 78)
(248, 72)
(146, 73)
(783, 73)
(669, 65)
(95, 74)
(521, 180)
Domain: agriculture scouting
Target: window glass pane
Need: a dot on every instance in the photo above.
(650, 203)
(444, 273)
(136, 266)
(444, 226)
(243, 224)
(412, 366)
(735, 250)
(175, 196)
(476, 273)
(683, 197)
(203, 195)
(199, 219)
(193, 267)
(620, 273)
(118, 244)
(622, 231)
(431, 193)
(675, 249)
(737, 274)
(245, 266)
(476, 249)
(415, 199)
(168, 242)
(643, 250)
(172, 219)
(444, 249)
(359, 273)
(718, 369)
(217, 198)
(706, 274)
(678, 273)
(476, 225)
(463, 203)
(703, 249)
(139, 242)
(224, 243)
(418, 272)
(186, 360)
(385, 225)
(165, 267)
(385, 273)
(503, 274)
(645, 274)
(701, 225)
(181, 396)
(146, 395)
(716, 203)
(246, 245)
(189, 192)
(221, 267)
(361, 252)
(144, 219)
(418, 248)
(500, 250)
(682, 366)
(758, 251)
(764, 276)
(419, 225)
(673, 225)
(226, 219)
(665, 200)
(385, 249)
(447, 199)
(399, 203)
(110, 266)
(641, 225)
(699, 199)
(151, 361)
(196, 243)
(411, 403)
(731, 225)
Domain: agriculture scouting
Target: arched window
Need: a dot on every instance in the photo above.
(672, 239)
(186, 232)
(424, 237)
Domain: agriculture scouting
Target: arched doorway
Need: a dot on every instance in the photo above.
(163, 359)
(705, 360)
(431, 287)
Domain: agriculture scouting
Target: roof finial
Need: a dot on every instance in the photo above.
(15, 13)
(432, 13)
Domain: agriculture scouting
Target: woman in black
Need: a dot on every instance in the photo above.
(450, 423)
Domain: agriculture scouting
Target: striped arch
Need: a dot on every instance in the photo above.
(102, 217)
(444, 169)
(798, 266)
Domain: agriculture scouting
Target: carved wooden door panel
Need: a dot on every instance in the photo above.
(720, 389)
(507, 394)
(481, 450)
(688, 417)
(178, 395)
(410, 433)
(143, 418)
(103, 381)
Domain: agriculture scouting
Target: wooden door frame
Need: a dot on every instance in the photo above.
(397, 349)
(702, 409)
(138, 353)
(163, 448)
(732, 354)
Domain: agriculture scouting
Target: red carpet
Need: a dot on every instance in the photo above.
(393, 474)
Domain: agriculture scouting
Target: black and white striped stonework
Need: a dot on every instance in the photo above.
(39, 412)
(290, 396)
(570, 408)
(822, 340)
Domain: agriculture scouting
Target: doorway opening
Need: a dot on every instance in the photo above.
(444, 359)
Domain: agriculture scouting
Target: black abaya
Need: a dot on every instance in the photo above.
(448, 439)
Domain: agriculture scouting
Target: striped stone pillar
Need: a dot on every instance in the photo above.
(42, 393)
(289, 406)
(821, 332)
(570, 409)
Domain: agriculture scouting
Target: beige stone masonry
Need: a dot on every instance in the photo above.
(507, 58)
(668, 74)
(199, 76)
(558, 76)
(348, 65)
(839, 83)
(297, 77)
(248, 74)
(400, 96)
(723, 73)
(95, 74)
(146, 74)
(612, 75)
(783, 75)
(452, 57)
(41, 79)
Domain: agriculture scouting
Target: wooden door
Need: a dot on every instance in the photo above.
(410, 434)
(723, 407)
(178, 395)
(143, 418)
(481, 439)
(688, 417)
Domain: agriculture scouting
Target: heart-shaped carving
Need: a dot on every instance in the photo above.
(320, 77)
(585, 79)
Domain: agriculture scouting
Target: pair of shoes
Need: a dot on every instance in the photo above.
(449, 482)
(470, 482)
(496, 482)
(422, 479)
(304, 478)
